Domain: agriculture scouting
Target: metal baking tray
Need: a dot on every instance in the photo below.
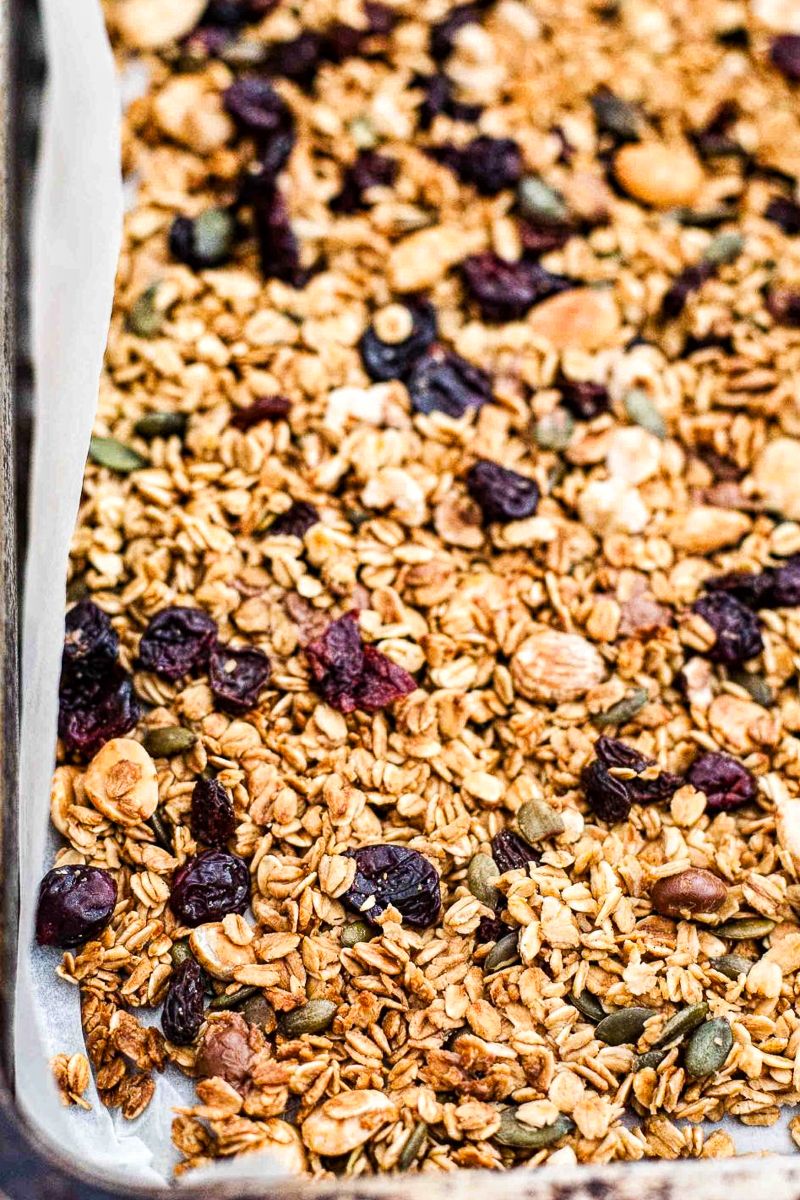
(29, 1168)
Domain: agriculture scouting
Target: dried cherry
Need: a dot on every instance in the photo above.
(237, 676)
(397, 876)
(212, 819)
(182, 1015)
(209, 886)
(177, 640)
(75, 904)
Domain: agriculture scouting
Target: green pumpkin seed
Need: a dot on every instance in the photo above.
(642, 411)
(732, 965)
(622, 712)
(651, 1058)
(741, 929)
(314, 1017)
(363, 133)
(108, 452)
(502, 954)
(257, 1011)
(754, 685)
(681, 1023)
(524, 1137)
(588, 1005)
(554, 430)
(617, 117)
(161, 424)
(708, 218)
(145, 318)
(539, 202)
(537, 820)
(227, 1001)
(708, 1048)
(77, 589)
(412, 1146)
(180, 952)
(163, 831)
(623, 1027)
(212, 236)
(357, 931)
(725, 248)
(481, 875)
(171, 739)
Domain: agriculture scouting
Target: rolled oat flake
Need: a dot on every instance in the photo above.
(708, 1048)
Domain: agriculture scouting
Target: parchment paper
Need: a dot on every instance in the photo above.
(76, 241)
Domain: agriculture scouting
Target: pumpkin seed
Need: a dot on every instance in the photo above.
(642, 411)
(537, 820)
(539, 202)
(731, 965)
(170, 739)
(162, 830)
(725, 248)
(651, 1058)
(314, 1017)
(502, 954)
(481, 875)
(554, 430)
(257, 1011)
(741, 929)
(708, 1048)
(524, 1137)
(161, 424)
(624, 1026)
(108, 452)
(180, 952)
(144, 317)
(754, 685)
(233, 999)
(77, 589)
(357, 931)
(617, 117)
(708, 218)
(588, 1005)
(622, 712)
(212, 235)
(363, 133)
(681, 1023)
(412, 1146)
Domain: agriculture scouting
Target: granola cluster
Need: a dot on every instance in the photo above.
(452, 388)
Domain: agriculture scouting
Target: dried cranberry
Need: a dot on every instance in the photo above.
(785, 55)
(393, 360)
(265, 408)
(259, 110)
(440, 100)
(584, 399)
(490, 929)
(749, 587)
(783, 305)
(505, 291)
(75, 904)
(738, 633)
(183, 1014)
(209, 886)
(177, 641)
(511, 852)
(344, 41)
(691, 279)
(212, 818)
(784, 212)
(394, 875)
(610, 796)
(349, 675)
(296, 521)
(489, 163)
(278, 246)
(540, 237)
(784, 591)
(726, 782)
(237, 676)
(502, 494)
(443, 34)
(442, 381)
(90, 642)
(88, 717)
(369, 170)
(203, 241)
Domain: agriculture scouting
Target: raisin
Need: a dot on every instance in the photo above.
(443, 33)
(394, 875)
(90, 643)
(784, 589)
(344, 41)
(237, 676)
(784, 212)
(442, 381)
(212, 819)
(298, 59)
(349, 675)
(511, 852)
(439, 99)
(259, 110)
(748, 587)
(296, 521)
(394, 360)
(209, 886)
(489, 164)
(691, 279)
(783, 305)
(370, 170)
(540, 237)
(505, 291)
(738, 633)
(724, 780)
(490, 929)
(88, 717)
(75, 904)
(584, 399)
(177, 641)
(501, 494)
(183, 1014)
(203, 241)
(609, 795)
(279, 250)
(265, 408)
(714, 140)
(785, 55)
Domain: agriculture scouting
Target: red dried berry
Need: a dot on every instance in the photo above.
(490, 929)
(349, 675)
(785, 55)
(489, 164)
(394, 875)
(725, 781)
(75, 904)
(209, 886)
(265, 408)
(737, 630)
(505, 291)
(182, 1015)
(237, 676)
(370, 170)
(442, 381)
(584, 399)
(89, 716)
(212, 818)
(90, 643)
(785, 213)
(511, 852)
(296, 521)
(394, 360)
(502, 494)
(610, 796)
(540, 237)
(177, 641)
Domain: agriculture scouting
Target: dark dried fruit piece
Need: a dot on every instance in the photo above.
(177, 641)
(88, 717)
(90, 643)
(349, 675)
(258, 109)
(298, 59)
(182, 1014)
(714, 140)
(75, 904)
(442, 381)
(784, 590)
(393, 360)
(394, 875)
(540, 237)
(237, 676)
(505, 291)
(226, 1050)
(511, 852)
(609, 795)
(749, 587)
(489, 164)
(205, 241)
(443, 33)
(490, 929)
(265, 408)
(502, 494)
(296, 521)
(209, 886)
(727, 783)
(440, 100)
(279, 250)
(616, 117)
(784, 212)
(783, 305)
(370, 170)
(785, 55)
(584, 399)
(344, 41)
(691, 279)
(738, 633)
(212, 819)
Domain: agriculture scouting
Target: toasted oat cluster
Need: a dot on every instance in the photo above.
(429, 733)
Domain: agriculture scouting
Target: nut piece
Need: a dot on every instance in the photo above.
(215, 951)
(282, 1141)
(227, 1048)
(346, 1121)
(657, 174)
(692, 891)
(146, 24)
(121, 782)
(425, 257)
(775, 474)
(706, 528)
(553, 667)
(584, 318)
(191, 115)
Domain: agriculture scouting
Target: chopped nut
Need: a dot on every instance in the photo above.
(555, 667)
(346, 1121)
(121, 782)
(214, 950)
